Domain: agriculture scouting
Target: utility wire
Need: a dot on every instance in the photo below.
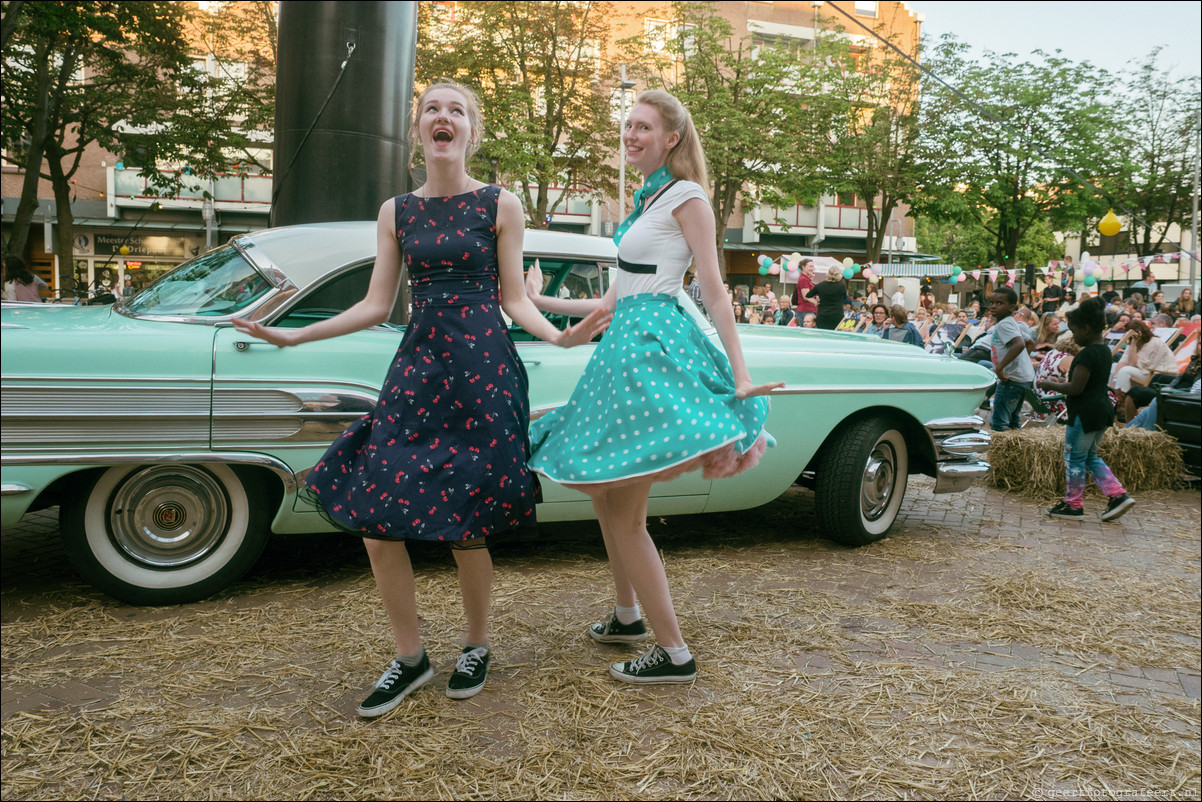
(985, 113)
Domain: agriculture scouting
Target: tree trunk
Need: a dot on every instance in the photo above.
(64, 238)
(19, 233)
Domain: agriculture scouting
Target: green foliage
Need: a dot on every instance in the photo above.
(874, 117)
(976, 171)
(1160, 140)
(971, 244)
(760, 109)
(545, 88)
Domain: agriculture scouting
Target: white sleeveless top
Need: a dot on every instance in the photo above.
(656, 239)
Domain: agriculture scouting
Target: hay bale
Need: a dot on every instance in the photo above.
(1031, 461)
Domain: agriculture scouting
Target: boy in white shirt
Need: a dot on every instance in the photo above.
(1008, 350)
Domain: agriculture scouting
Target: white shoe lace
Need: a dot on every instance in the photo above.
(469, 661)
(391, 675)
(648, 660)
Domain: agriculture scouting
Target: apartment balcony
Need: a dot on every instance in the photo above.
(231, 193)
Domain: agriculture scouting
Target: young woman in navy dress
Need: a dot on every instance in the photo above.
(657, 398)
(443, 455)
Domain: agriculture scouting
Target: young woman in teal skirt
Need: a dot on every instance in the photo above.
(657, 399)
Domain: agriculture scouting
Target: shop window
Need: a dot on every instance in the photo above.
(865, 8)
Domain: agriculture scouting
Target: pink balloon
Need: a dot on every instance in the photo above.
(793, 275)
(774, 268)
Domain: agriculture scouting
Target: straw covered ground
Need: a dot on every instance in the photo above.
(970, 655)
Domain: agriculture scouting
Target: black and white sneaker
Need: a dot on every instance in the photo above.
(1117, 507)
(397, 682)
(471, 670)
(1066, 511)
(654, 668)
(614, 631)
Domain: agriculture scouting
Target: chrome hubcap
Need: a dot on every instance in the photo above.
(169, 517)
(876, 488)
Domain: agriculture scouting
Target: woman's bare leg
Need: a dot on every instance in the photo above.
(394, 580)
(475, 583)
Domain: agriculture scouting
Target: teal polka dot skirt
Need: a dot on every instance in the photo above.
(656, 400)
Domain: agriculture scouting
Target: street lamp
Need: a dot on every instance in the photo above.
(893, 237)
(624, 85)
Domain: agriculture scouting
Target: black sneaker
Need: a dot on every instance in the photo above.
(394, 685)
(614, 631)
(1117, 506)
(654, 668)
(471, 669)
(1066, 511)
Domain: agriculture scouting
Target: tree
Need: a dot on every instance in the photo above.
(1008, 177)
(760, 109)
(971, 244)
(74, 73)
(537, 67)
(1161, 140)
(122, 76)
(874, 128)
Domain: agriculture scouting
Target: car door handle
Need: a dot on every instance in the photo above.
(244, 345)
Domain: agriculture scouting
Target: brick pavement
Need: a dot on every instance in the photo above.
(941, 549)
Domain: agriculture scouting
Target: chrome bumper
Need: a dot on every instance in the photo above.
(957, 443)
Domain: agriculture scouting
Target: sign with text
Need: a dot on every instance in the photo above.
(140, 245)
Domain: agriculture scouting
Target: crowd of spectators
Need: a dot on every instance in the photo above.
(1151, 339)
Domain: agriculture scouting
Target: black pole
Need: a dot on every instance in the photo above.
(344, 88)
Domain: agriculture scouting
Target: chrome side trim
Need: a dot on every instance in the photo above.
(102, 459)
(13, 489)
(860, 389)
(301, 415)
(12, 325)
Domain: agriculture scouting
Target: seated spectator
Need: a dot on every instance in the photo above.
(768, 318)
(900, 329)
(923, 324)
(786, 315)
(1145, 397)
(1054, 367)
(810, 321)
(1184, 306)
(756, 318)
(1162, 320)
(1145, 354)
(1047, 333)
(1141, 396)
(1120, 323)
(880, 318)
(1070, 302)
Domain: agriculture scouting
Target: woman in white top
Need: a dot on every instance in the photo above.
(1146, 354)
(636, 416)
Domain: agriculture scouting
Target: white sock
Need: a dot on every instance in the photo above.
(411, 660)
(627, 615)
(679, 654)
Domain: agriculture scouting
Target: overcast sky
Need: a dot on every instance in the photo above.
(1110, 35)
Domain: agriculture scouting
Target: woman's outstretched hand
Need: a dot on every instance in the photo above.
(596, 322)
(747, 389)
(270, 334)
(534, 282)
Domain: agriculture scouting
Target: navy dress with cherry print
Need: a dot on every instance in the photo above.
(443, 454)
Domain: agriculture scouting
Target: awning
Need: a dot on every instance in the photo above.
(912, 269)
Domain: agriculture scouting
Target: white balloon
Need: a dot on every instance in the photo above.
(1084, 255)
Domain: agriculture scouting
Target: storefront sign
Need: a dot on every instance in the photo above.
(140, 245)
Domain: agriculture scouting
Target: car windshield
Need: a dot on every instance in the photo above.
(218, 283)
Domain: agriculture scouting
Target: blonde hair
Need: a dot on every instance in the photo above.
(1066, 343)
(834, 274)
(475, 116)
(686, 159)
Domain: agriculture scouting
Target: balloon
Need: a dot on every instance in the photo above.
(763, 270)
(795, 257)
(867, 273)
(848, 272)
(774, 269)
(1087, 270)
(793, 275)
(1090, 281)
(847, 262)
(957, 270)
(794, 264)
(765, 261)
(1109, 225)
(961, 277)
(1084, 256)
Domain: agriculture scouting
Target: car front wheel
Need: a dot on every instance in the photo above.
(165, 534)
(861, 482)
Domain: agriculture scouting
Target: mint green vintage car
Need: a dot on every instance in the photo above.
(174, 446)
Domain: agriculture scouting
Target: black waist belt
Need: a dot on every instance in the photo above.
(631, 267)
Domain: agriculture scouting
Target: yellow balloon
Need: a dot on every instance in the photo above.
(1109, 225)
(847, 261)
(124, 249)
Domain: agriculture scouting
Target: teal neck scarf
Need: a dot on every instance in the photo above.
(654, 183)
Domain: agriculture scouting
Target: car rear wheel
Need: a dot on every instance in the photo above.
(861, 482)
(165, 534)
